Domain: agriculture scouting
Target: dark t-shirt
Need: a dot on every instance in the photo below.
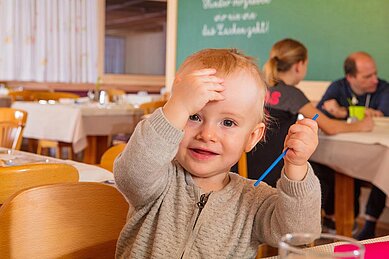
(340, 90)
(283, 103)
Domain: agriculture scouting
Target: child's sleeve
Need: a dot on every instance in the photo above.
(296, 207)
(142, 170)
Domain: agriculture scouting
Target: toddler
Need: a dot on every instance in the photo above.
(175, 169)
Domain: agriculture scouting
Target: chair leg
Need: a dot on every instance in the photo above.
(47, 144)
(31, 144)
(58, 152)
(70, 152)
(69, 149)
(39, 150)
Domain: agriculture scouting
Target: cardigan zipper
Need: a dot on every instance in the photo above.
(200, 205)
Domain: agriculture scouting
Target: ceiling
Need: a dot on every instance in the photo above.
(124, 16)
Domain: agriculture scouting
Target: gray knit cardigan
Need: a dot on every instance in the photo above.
(168, 222)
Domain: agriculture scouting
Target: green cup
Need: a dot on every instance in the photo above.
(356, 112)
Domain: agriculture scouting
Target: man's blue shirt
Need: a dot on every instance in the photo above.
(340, 90)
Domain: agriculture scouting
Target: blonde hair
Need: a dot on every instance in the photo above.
(226, 62)
(283, 55)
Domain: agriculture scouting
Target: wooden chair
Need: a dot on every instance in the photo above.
(242, 165)
(16, 178)
(33, 95)
(149, 107)
(25, 95)
(109, 156)
(113, 93)
(44, 144)
(12, 122)
(45, 95)
(70, 220)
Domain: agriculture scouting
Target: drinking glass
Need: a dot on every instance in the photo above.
(356, 113)
(324, 246)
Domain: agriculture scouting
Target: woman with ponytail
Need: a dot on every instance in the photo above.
(286, 67)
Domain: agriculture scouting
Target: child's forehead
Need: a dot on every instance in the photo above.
(241, 85)
(220, 68)
(222, 73)
(241, 91)
(243, 80)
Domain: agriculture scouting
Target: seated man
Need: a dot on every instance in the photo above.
(360, 87)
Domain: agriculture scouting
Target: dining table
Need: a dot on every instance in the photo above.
(357, 155)
(87, 126)
(372, 247)
(87, 172)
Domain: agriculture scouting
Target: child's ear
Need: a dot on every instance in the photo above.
(255, 136)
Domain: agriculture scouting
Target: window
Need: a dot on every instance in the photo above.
(135, 37)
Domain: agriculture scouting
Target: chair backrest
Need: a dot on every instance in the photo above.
(16, 178)
(149, 107)
(33, 95)
(109, 156)
(53, 96)
(72, 220)
(25, 95)
(114, 93)
(12, 122)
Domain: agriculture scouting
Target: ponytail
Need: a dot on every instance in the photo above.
(283, 55)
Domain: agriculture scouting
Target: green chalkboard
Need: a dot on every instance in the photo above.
(330, 29)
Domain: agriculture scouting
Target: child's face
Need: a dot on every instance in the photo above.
(217, 135)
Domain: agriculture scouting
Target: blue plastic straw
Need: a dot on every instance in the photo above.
(276, 161)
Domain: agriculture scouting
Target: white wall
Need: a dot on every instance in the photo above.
(314, 90)
(146, 53)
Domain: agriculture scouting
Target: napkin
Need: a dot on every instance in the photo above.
(378, 250)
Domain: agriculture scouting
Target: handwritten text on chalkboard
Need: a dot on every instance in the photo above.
(239, 23)
(217, 4)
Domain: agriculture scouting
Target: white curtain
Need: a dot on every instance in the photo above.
(115, 54)
(49, 40)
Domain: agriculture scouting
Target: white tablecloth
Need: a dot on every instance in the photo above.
(87, 173)
(379, 135)
(138, 99)
(90, 173)
(359, 155)
(72, 123)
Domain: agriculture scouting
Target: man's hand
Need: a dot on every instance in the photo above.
(333, 107)
(373, 113)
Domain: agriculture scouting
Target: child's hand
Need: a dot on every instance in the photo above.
(191, 92)
(302, 140)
